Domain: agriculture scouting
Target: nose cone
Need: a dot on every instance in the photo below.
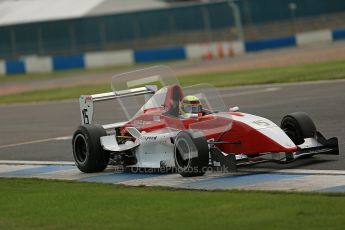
(263, 135)
(278, 136)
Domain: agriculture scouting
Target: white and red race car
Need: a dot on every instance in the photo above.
(154, 136)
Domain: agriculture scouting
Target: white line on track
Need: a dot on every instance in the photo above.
(37, 141)
(39, 103)
(271, 89)
(293, 171)
(15, 162)
(273, 85)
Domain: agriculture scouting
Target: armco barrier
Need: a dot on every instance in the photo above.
(160, 54)
(313, 37)
(272, 43)
(2, 68)
(338, 34)
(68, 62)
(15, 66)
(35, 64)
(108, 58)
(32, 64)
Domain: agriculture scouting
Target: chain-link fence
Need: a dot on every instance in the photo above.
(131, 30)
(172, 26)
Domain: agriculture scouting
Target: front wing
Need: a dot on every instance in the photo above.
(312, 146)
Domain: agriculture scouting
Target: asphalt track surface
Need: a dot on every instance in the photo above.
(42, 131)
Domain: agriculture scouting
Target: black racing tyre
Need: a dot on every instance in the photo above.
(191, 154)
(89, 156)
(298, 126)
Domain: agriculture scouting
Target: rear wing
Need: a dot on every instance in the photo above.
(86, 101)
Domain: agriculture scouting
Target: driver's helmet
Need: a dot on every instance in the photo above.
(190, 105)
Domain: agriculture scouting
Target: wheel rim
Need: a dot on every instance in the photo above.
(80, 148)
(292, 133)
(182, 148)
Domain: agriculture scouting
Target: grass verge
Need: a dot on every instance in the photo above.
(309, 72)
(40, 204)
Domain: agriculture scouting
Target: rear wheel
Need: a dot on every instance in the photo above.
(88, 153)
(298, 126)
(191, 154)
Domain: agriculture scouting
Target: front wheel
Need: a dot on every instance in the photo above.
(191, 154)
(89, 156)
(298, 126)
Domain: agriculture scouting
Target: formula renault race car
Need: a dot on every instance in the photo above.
(155, 135)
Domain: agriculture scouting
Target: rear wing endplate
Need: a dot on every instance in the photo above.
(86, 101)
